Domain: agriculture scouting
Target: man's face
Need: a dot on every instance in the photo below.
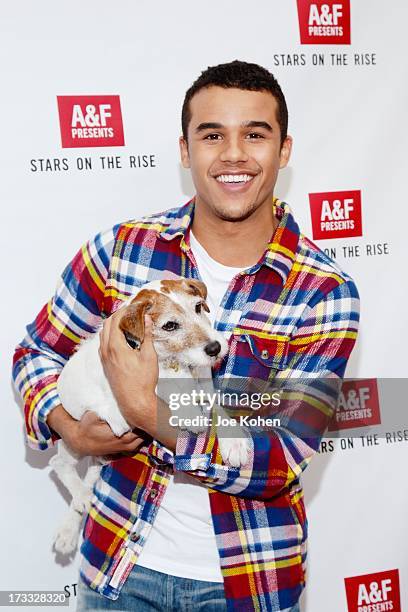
(234, 150)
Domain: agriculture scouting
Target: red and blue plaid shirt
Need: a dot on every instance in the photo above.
(291, 316)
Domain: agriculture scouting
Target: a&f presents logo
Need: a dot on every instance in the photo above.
(324, 22)
(90, 121)
(336, 214)
(377, 592)
(358, 405)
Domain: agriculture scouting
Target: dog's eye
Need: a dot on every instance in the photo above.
(170, 326)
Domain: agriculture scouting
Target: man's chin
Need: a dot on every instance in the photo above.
(234, 216)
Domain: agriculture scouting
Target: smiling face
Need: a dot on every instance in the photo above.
(234, 150)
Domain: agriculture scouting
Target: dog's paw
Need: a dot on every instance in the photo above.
(81, 500)
(234, 451)
(66, 538)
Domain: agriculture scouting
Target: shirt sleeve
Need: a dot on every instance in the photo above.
(72, 314)
(310, 385)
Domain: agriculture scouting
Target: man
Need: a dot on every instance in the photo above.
(172, 526)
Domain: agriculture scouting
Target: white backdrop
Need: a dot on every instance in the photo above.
(349, 127)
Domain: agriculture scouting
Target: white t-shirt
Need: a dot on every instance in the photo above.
(182, 540)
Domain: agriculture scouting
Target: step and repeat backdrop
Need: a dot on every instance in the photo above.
(91, 106)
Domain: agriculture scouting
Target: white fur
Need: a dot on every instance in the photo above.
(82, 386)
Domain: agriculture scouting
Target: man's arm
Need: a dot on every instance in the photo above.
(321, 347)
(90, 436)
(323, 343)
(73, 313)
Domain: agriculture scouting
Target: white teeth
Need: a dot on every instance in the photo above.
(234, 178)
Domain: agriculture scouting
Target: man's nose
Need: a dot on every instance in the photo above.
(234, 151)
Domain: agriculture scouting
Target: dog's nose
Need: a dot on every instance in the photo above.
(212, 348)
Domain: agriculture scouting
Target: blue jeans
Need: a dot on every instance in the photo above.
(146, 590)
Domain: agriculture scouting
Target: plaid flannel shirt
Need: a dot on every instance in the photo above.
(293, 315)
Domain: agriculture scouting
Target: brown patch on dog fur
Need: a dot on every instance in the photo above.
(146, 301)
(132, 321)
(191, 286)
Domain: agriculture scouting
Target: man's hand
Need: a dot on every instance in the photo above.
(91, 435)
(132, 374)
(94, 437)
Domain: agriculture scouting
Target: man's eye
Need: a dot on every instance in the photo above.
(170, 326)
(212, 137)
(255, 135)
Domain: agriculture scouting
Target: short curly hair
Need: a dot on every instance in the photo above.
(241, 75)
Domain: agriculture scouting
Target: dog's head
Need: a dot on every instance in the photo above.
(181, 328)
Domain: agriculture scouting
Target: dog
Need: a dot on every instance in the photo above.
(185, 343)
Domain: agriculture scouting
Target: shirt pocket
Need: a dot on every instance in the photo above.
(270, 351)
(256, 358)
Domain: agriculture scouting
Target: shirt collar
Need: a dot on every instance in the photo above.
(179, 222)
(281, 252)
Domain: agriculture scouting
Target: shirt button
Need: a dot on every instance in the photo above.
(265, 354)
(153, 494)
(134, 537)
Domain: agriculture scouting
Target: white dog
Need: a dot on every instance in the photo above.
(184, 341)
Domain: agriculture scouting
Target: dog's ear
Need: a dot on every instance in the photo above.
(196, 287)
(205, 306)
(132, 322)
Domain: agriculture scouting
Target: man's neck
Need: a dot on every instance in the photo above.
(234, 243)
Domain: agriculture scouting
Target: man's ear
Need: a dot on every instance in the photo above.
(285, 152)
(184, 155)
